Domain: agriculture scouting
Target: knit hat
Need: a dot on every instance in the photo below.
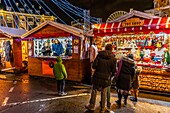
(130, 56)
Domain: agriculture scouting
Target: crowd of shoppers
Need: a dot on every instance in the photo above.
(124, 72)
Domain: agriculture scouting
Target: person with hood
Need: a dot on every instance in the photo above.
(125, 74)
(60, 74)
(105, 68)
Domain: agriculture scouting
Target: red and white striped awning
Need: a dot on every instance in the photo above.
(155, 25)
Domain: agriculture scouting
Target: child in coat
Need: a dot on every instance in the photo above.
(60, 75)
(135, 85)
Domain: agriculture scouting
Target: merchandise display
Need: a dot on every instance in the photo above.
(148, 41)
(5, 52)
(149, 50)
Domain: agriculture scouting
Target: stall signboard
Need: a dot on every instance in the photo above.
(46, 69)
(76, 49)
(133, 22)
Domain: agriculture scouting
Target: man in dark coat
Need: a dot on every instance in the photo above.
(105, 67)
(46, 50)
(125, 74)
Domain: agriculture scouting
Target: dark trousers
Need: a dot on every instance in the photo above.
(120, 97)
(60, 85)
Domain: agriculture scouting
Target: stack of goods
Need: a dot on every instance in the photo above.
(155, 79)
(98, 41)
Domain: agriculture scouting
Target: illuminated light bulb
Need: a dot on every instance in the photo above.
(93, 26)
(17, 4)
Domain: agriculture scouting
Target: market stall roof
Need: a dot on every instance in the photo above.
(134, 13)
(146, 26)
(66, 28)
(11, 32)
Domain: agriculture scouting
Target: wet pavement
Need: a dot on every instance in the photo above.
(24, 94)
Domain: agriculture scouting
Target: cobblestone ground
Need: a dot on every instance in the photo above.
(28, 93)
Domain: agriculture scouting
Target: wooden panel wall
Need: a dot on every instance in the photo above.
(77, 70)
(17, 53)
(76, 44)
(34, 66)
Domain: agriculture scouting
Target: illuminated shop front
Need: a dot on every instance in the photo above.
(10, 48)
(148, 40)
(51, 39)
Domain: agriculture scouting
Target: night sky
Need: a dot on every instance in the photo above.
(104, 8)
(98, 8)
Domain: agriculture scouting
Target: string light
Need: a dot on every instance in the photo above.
(52, 12)
(77, 9)
(27, 9)
(63, 5)
(15, 14)
(4, 18)
(11, 15)
(22, 15)
(69, 15)
(87, 18)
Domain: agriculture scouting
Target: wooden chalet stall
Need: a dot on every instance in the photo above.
(48, 32)
(10, 48)
(148, 38)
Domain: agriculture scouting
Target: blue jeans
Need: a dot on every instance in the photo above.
(60, 85)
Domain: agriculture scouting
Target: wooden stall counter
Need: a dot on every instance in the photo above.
(155, 79)
(77, 69)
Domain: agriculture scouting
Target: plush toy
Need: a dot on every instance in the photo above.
(149, 41)
(142, 54)
(159, 44)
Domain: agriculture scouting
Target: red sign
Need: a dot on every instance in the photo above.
(46, 70)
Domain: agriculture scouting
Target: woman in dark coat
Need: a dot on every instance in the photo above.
(125, 74)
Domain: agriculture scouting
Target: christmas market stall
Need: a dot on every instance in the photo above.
(148, 40)
(52, 39)
(10, 49)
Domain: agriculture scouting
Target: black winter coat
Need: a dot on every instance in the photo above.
(126, 74)
(46, 50)
(105, 68)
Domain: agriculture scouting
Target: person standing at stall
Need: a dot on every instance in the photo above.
(93, 51)
(135, 85)
(68, 47)
(54, 47)
(125, 74)
(46, 50)
(105, 67)
(59, 48)
(60, 74)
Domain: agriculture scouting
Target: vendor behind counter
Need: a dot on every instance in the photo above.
(53, 47)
